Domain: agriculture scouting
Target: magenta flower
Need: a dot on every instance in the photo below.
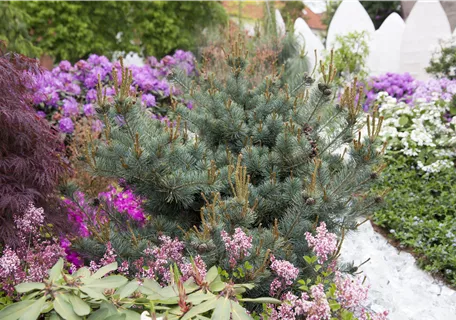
(237, 246)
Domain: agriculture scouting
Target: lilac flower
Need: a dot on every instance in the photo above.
(149, 100)
(237, 245)
(97, 126)
(31, 220)
(70, 107)
(66, 125)
(350, 293)
(324, 244)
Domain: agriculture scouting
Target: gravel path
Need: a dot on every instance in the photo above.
(397, 284)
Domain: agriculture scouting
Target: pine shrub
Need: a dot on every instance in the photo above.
(259, 164)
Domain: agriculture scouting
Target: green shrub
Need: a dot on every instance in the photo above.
(420, 211)
(443, 62)
(258, 158)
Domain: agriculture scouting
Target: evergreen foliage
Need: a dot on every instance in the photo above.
(261, 157)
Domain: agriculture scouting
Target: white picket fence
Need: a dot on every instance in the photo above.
(397, 46)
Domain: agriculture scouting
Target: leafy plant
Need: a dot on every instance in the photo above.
(350, 55)
(86, 295)
(419, 211)
(30, 151)
(443, 61)
(150, 28)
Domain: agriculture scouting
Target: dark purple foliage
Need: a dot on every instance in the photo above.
(30, 163)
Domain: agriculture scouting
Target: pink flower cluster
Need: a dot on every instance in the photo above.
(350, 293)
(237, 245)
(156, 261)
(324, 244)
(294, 307)
(286, 275)
(33, 257)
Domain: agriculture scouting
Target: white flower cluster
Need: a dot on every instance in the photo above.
(420, 131)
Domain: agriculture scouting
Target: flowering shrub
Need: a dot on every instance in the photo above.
(31, 259)
(421, 133)
(399, 86)
(435, 89)
(69, 92)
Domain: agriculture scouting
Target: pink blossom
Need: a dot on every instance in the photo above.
(350, 293)
(286, 273)
(324, 244)
(237, 245)
(31, 220)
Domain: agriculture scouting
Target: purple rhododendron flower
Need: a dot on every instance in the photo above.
(66, 125)
(89, 110)
(70, 107)
(149, 100)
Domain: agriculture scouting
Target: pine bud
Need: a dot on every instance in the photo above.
(310, 201)
(202, 248)
(378, 199)
(374, 175)
(327, 92)
(322, 87)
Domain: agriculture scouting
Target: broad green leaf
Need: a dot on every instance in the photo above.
(64, 309)
(104, 270)
(211, 274)
(56, 272)
(217, 285)
(100, 314)
(83, 272)
(150, 287)
(118, 316)
(16, 310)
(238, 312)
(29, 286)
(198, 297)
(80, 307)
(94, 294)
(261, 300)
(222, 309)
(200, 309)
(34, 311)
(110, 282)
(131, 315)
(48, 306)
(128, 289)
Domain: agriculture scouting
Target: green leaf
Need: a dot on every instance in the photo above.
(55, 316)
(211, 274)
(131, 315)
(104, 270)
(217, 285)
(56, 272)
(238, 312)
(83, 272)
(403, 120)
(222, 309)
(128, 289)
(334, 306)
(198, 297)
(200, 309)
(29, 286)
(64, 309)
(150, 286)
(261, 300)
(110, 282)
(16, 310)
(94, 294)
(100, 314)
(80, 307)
(34, 311)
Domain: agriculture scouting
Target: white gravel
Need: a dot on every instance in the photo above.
(397, 284)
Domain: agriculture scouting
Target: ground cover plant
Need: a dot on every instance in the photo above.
(419, 212)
